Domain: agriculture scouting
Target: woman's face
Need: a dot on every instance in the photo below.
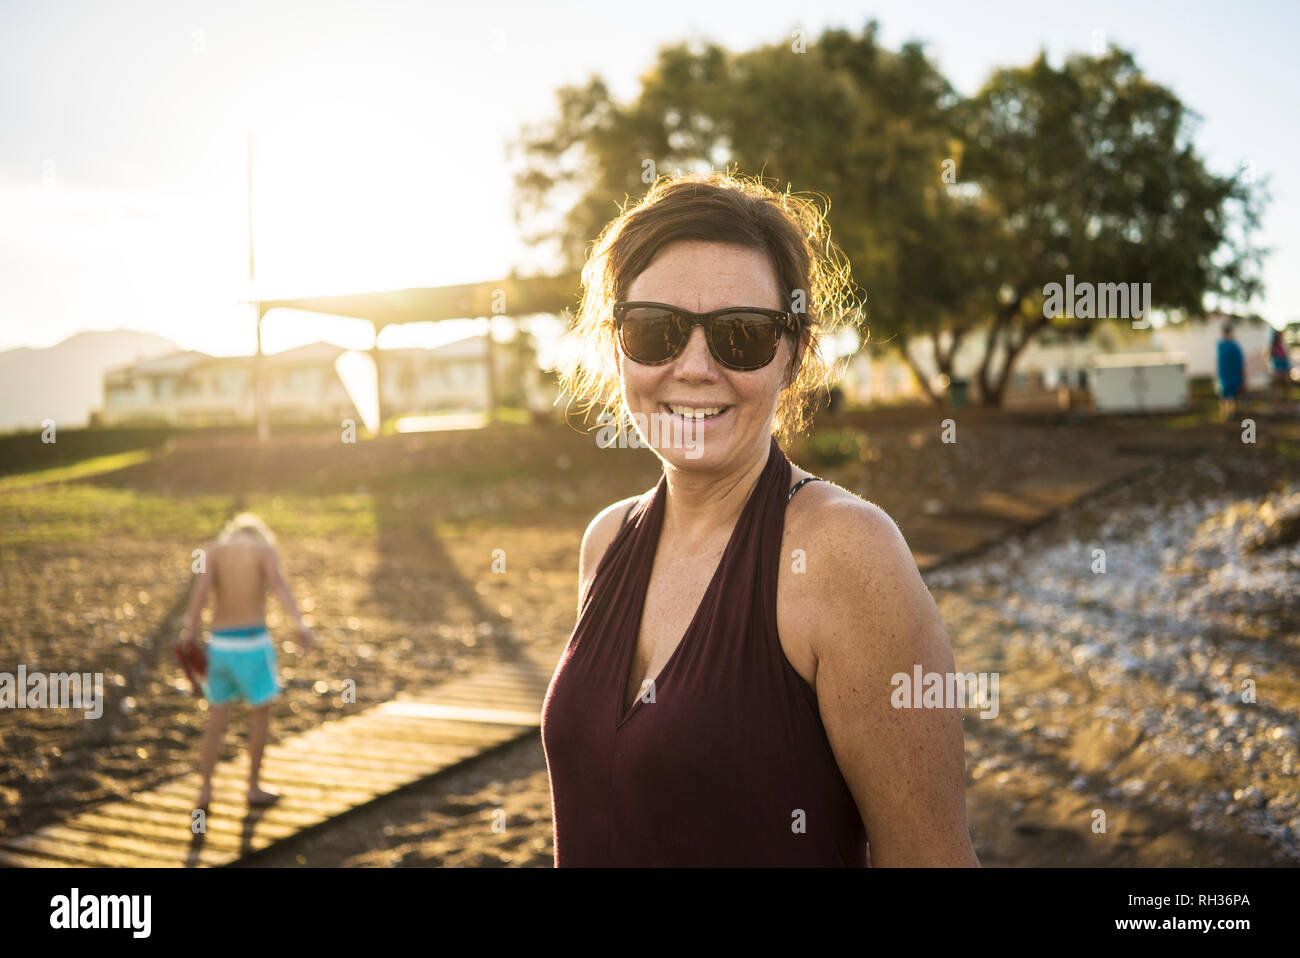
(704, 276)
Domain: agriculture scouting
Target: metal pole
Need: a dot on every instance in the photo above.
(379, 379)
(490, 359)
(259, 396)
(259, 393)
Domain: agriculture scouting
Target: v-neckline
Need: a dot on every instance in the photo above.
(630, 651)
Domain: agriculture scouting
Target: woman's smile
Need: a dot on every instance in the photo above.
(695, 415)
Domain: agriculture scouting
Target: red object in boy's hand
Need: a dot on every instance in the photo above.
(193, 660)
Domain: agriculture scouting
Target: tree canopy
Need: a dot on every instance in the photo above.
(954, 212)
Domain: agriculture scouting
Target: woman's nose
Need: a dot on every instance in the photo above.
(695, 357)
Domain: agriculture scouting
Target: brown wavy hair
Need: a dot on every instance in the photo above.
(738, 210)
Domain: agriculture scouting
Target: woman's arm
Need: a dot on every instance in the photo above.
(871, 617)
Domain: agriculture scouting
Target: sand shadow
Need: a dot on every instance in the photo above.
(410, 552)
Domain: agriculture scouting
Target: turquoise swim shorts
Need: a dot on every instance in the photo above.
(241, 665)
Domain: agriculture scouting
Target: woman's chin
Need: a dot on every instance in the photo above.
(701, 452)
(686, 459)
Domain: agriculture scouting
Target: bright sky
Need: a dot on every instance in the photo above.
(379, 132)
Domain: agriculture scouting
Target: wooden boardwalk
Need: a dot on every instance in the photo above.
(321, 774)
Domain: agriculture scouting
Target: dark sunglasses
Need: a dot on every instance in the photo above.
(739, 337)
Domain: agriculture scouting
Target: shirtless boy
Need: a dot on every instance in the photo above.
(240, 565)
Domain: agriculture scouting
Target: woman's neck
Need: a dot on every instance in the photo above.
(702, 506)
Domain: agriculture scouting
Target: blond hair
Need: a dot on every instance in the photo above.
(247, 523)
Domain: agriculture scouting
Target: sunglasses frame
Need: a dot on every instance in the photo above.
(783, 320)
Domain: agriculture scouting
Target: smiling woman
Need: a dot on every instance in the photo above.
(716, 703)
(786, 231)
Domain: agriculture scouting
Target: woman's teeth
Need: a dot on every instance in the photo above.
(697, 412)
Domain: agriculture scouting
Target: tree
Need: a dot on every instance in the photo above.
(954, 214)
(1092, 173)
(870, 128)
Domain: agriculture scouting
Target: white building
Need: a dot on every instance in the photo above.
(876, 373)
(1198, 340)
(182, 388)
(302, 385)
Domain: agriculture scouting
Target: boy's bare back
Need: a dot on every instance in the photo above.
(241, 565)
(242, 569)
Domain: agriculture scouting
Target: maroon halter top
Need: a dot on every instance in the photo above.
(729, 765)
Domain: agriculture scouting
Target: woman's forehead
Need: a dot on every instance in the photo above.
(702, 276)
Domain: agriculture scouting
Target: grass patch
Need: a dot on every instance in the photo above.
(1189, 421)
(514, 416)
(76, 514)
(343, 515)
(77, 470)
(69, 514)
(827, 448)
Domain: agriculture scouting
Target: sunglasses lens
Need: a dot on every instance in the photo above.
(745, 340)
(651, 335)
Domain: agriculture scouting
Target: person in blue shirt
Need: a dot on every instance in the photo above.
(1232, 373)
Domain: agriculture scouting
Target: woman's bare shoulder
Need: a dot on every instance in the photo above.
(856, 568)
(600, 533)
(825, 509)
(848, 541)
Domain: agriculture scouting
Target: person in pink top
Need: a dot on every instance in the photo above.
(1279, 364)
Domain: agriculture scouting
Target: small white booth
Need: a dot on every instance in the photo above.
(1139, 382)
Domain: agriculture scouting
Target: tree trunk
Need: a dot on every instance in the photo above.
(941, 362)
(1014, 348)
(990, 347)
(944, 360)
(916, 372)
(990, 393)
(951, 359)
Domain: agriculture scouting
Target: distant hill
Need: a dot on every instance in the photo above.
(65, 382)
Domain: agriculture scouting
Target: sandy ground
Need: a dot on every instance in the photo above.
(391, 554)
(1121, 738)
(1162, 694)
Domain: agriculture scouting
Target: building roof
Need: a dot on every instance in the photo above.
(312, 353)
(169, 364)
(467, 347)
(473, 347)
(512, 296)
(1219, 318)
(1108, 360)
